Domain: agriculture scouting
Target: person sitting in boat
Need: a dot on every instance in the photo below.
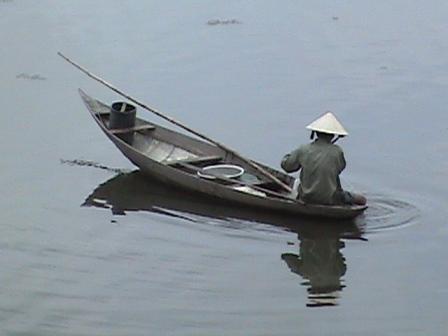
(320, 164)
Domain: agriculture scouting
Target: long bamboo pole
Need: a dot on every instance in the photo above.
(171, 120)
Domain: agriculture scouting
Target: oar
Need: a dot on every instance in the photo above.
(171, 120)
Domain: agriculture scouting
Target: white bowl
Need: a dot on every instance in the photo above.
(221, 170)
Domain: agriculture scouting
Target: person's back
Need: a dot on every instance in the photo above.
(321, 162)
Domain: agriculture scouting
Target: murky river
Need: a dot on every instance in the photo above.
(89, 247)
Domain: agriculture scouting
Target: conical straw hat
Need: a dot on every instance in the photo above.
(327, 124)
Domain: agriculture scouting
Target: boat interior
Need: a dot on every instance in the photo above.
(191, 155)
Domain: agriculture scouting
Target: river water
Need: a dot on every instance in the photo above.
(88, 247)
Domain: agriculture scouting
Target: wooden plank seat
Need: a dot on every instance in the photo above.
(201, 160)
(132, 129)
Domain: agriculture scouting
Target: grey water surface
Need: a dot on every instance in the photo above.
(88, 247)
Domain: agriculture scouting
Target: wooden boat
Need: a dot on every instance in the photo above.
(181, 160)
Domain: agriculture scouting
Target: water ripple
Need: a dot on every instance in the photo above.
(386, 214)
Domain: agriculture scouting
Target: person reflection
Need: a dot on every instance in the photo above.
(322, 265)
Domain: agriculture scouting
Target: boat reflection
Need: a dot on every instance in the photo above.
(319, 260)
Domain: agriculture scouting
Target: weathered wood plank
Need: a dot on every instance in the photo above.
(132, 129)
(198, 160)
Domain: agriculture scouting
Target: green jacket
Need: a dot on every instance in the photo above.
(320, 162)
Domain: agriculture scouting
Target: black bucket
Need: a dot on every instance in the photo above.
(122, 116)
